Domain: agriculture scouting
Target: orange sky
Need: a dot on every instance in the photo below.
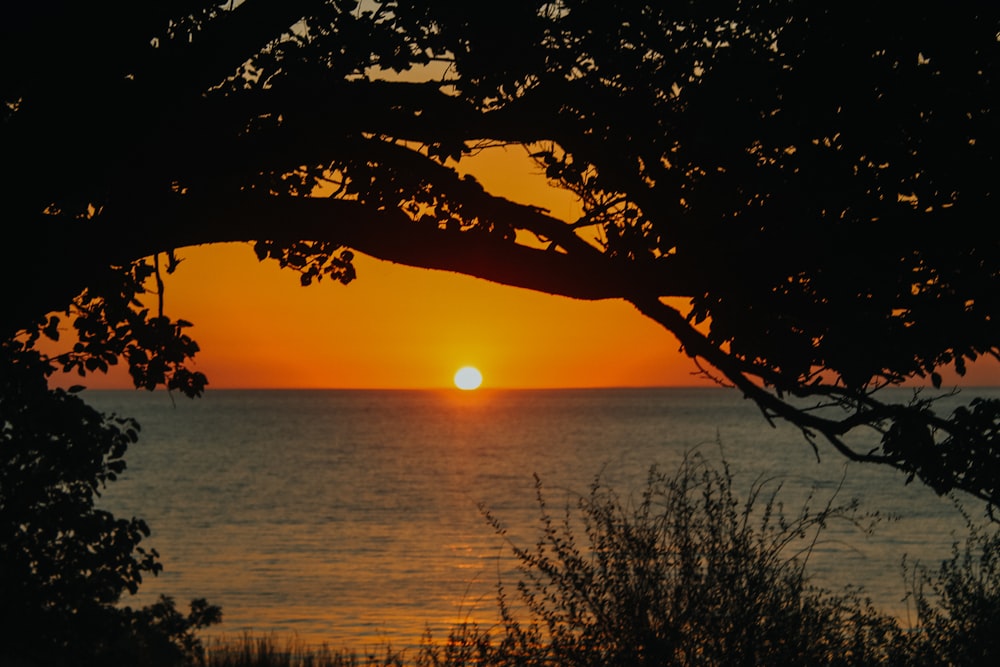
(399, 327)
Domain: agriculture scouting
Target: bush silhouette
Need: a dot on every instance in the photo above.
(687, 574)
(958, 604)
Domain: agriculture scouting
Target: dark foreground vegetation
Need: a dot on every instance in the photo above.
(691, 574)
(813, 180)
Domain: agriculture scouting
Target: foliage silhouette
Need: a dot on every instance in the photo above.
(688, 574)
(64, 564)
(815, 178)
(958, 604)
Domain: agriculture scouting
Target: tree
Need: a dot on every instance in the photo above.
(65, 564)
(816, 178)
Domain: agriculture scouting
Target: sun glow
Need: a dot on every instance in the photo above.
(468, 378)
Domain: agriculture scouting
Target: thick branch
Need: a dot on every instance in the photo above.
(82, 251)
(386, 235)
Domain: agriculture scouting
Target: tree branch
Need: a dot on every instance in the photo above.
(81, 252)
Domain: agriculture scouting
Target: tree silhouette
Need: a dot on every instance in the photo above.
(816, 178)
(65, 564)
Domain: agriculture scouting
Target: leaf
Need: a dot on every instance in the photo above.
(51, 329)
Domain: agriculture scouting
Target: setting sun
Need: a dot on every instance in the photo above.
(468, 377)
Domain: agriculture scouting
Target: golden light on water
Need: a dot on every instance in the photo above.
(468, 378)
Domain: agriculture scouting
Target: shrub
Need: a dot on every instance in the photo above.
(958, 604)
(687, 575)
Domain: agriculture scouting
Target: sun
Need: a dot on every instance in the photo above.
(468, 378)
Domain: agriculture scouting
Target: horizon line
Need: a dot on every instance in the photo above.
(487, 388)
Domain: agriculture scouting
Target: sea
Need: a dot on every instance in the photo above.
(355, 517)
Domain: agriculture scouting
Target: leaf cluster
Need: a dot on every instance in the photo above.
(64, 563)
(111, 322)
(313, 261)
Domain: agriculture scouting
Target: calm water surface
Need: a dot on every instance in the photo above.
(351, 516)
